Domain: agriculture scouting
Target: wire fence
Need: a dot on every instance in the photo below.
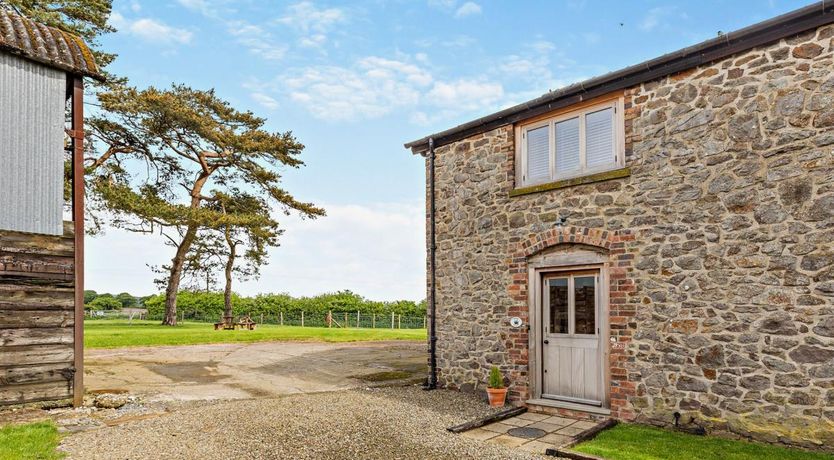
(301, 319)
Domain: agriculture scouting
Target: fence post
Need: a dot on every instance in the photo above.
(392, 320)
(282, 318)
(302, 318)
(346, 321)
(357, 319)
(399, 321)
(329, 318)
(262, 318)
(373, 321)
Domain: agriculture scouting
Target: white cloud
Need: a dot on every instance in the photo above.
(214, 9)
(465, 94)
(257, 40)
(656, 17)
(374, 86)
(198, 5)
(305, 16)
(314, 23)
(150, 30)
(265, 100)
(420, 118)
(542, 46)
(313, 41)
(377, 250)
(468, 9)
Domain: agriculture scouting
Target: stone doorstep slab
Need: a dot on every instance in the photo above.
(559, 432)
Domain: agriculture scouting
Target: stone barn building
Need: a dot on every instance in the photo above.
(657, 240)
(41, 255)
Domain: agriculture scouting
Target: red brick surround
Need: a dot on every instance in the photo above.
(622, 306)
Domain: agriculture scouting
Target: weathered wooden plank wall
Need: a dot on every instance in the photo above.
(36, 316)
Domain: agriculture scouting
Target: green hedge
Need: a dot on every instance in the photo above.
(210, 304)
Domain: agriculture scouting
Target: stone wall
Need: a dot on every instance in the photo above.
(723, 295)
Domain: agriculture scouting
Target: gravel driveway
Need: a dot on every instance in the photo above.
(378, 423)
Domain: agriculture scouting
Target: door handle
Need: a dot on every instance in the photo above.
(546, 342)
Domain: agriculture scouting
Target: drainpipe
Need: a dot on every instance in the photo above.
(432, 381)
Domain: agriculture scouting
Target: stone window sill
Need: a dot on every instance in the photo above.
(598, 177)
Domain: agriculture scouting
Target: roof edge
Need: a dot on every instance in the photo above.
(46, 45)
(809, 17)
(55, 65)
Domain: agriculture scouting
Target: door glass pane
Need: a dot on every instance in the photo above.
(584, 291)
(558, 305)
(567, 145)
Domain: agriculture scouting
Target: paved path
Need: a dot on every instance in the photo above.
(255, 370)
(539, 432)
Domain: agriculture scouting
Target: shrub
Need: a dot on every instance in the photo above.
(104, 303)
(496, 381)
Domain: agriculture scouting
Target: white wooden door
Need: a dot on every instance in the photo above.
(571, 349)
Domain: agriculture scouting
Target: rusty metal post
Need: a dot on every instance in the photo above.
(77, 128)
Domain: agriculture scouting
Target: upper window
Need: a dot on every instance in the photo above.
(572, 144)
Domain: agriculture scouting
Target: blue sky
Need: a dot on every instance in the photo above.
(354, 81)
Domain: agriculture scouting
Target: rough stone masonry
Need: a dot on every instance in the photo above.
(722, 239)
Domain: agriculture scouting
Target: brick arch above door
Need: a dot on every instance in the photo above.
(537, 242)
(619, 251)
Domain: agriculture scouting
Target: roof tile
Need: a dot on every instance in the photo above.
(48, 45)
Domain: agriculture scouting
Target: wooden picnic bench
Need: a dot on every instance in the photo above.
(228, 323)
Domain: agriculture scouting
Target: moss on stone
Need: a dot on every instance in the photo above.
(598, 177)
(384, 376)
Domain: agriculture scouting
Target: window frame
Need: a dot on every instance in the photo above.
(550, 120)
(571, 286)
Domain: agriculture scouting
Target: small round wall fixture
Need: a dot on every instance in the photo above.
(515, 321)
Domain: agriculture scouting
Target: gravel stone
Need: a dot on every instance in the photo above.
(380, 423)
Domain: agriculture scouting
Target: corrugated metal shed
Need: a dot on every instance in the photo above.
(32, 100)
(47, 45)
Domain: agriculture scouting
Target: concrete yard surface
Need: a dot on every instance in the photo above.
(250, 370)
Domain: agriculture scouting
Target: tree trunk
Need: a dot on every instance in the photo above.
(174, 277)
(230, 265)
(178, 261)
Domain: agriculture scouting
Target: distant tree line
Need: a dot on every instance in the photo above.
(212, 304)
(106, 301)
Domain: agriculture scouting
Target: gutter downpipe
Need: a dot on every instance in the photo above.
(431, 384)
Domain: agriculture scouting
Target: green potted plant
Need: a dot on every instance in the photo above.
(495, 388)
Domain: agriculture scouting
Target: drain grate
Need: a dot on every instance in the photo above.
(526, 432)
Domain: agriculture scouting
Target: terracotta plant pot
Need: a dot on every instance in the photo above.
(497, 396)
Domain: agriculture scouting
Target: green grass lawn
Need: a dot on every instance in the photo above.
(122, 333)
(32, 441)
(636, 442)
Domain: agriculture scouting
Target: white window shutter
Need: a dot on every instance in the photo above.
(567, 145)
(538, 154)
(599, 138)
